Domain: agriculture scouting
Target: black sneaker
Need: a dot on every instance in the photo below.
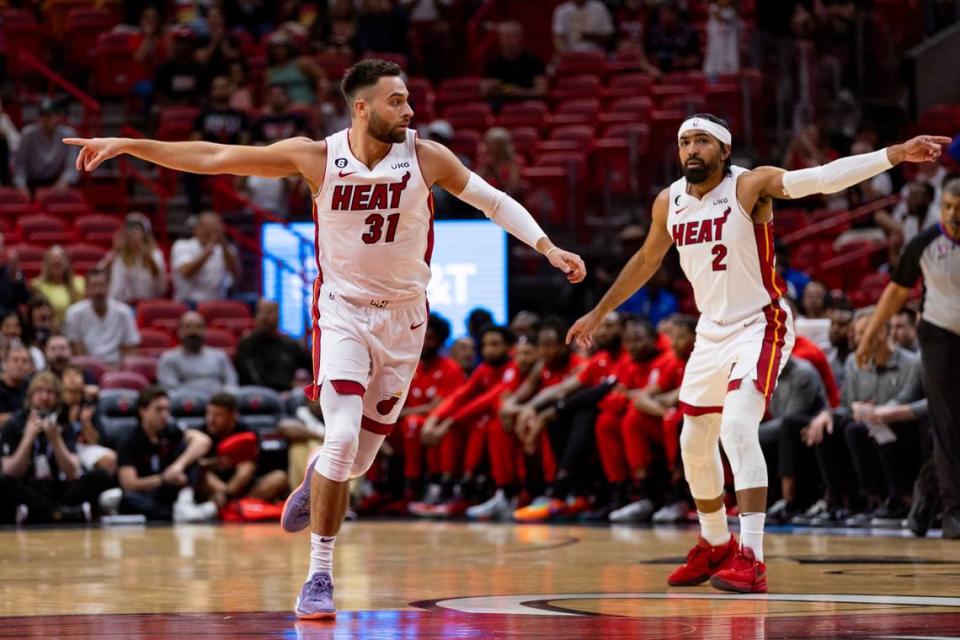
(78, 514)
(858, 520)
(781, 512)
(832, 517)
(922, 512)
(951, 525)
(891, 514)
(816, 510)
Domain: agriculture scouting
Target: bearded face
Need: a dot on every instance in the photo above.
(386, 132)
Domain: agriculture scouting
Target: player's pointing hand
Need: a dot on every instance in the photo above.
(582, 330)
(921, 148)
(569, 263)
(94, 151)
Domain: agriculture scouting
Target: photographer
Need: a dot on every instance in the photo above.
(41, 479)
(80, 402)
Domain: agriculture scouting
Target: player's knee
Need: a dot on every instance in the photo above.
(338, 455)
(696, 441)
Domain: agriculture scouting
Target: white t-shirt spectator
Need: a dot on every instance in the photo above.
(570, 22)
(129, 283)
(209, 283)
(102, 337)
(723, 41)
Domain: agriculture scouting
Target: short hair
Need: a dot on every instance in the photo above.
(74, 368)
(224, 400)
(440, 326)
(148, 395)
(554, 323)
(910, 313)
(952, 187)
(685, 321)
(44, 377)
(503, 332)
(723, 123)
(365, 74)
(641, 322)
(98, 271)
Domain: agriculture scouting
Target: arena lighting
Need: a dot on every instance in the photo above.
(469, 270)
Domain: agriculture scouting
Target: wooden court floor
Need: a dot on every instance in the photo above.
(457, 580)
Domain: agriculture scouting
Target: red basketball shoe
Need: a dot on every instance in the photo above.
(703, 561)
(745, 574)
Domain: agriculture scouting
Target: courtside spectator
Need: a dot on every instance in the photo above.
(192, 364)
(205, 265)
(58, 283)
(11, 335)
(38, 323)
(42, 160)
(99, 326)
(723, 39)
(81, 407)
(17, 368)
(269, 358)
(136, 266)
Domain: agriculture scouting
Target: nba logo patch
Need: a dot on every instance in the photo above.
(340, 162)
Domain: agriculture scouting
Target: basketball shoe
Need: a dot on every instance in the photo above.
(703, 561)
(745, 574)
(542, 509)
(315, 601)
(296, 509)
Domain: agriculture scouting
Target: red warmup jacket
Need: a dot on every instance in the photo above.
(808, 350)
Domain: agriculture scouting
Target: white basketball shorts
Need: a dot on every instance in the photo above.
(374, 345)
(724, 356)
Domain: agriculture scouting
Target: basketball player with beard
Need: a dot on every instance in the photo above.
(721, 219)
(374, 237)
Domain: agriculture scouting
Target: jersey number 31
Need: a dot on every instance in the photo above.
(375, 232)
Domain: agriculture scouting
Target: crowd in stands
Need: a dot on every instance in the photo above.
(130, 385)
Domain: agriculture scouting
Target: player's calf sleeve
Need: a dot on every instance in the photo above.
(699, 439)
(342, 414)
(742, 411)
(367, 448)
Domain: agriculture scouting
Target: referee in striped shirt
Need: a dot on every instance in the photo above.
(934, 254)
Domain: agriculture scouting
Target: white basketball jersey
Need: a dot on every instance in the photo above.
(727, 258)
(374, 227)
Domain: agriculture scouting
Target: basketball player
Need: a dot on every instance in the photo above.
(374, 237)
(720, 218)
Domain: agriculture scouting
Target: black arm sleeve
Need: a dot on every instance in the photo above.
(908, 270)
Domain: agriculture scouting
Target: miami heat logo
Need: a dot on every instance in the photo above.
(387, 402)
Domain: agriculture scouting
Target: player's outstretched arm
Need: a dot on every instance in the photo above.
(277, 160)
(442, 167)
(638, 270)
(843, 173)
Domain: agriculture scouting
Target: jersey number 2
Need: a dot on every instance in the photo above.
(375, 232)
(719, 252)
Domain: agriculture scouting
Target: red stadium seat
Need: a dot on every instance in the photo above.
(239, 327)
(113, 73)
(153, 342)
(470, 115)
(613, 169)
(43, 228)
(49, 196)
(695, 81)
(549, 194)
(454, 90)
(582, 86)
(176, 123)
(21, 33)
(641, 107)
(96, 228)
(529, 113)
(579, 111)
(397, 58)
(334, 62)
(574, 162)
(220, 339)
(581, 134)
(80, 252)
(687, 103)
(124, 380)
(95, 366)
(422, 99)
(67, 210)
(152, 312)
(13, 196)
(465, 142)
(83, 28)
(30, 269)
(525, 140)
(726, 101)
(144, 365)
(213, 309)
(580, 62)
(26, 252)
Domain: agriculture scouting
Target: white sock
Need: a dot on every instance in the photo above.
(751, 533)
(713, 527)
(321, 553)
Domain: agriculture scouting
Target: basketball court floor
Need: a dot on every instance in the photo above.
(458, 580)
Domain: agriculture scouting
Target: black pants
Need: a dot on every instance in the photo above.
(43, 500)
(574, 445)
(884, 470)
(939, 354)
(833, 461)
(158, 504)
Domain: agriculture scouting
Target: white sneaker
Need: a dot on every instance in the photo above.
(190, 512)
(110, 501)
(496, 508)
(673, 512)
(639, 511)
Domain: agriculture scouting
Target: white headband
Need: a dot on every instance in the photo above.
(718, 131)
